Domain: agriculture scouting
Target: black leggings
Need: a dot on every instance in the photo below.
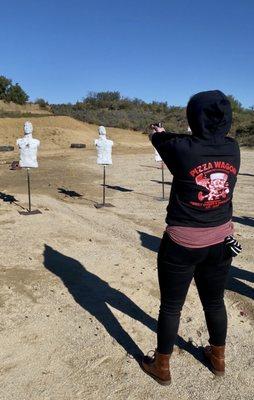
(177, 265)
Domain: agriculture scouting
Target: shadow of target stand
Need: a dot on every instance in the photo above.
(103, 204)
(29, 211)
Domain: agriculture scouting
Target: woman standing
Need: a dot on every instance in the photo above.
(204, 166)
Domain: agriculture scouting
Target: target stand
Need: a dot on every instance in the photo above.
(29, 211)
(163, 198)
(103, 204)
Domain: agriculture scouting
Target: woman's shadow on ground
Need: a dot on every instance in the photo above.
(94, 295)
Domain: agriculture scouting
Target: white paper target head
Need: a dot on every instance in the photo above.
(28, 151)
(157, 157)
(104, 150)
(102, 131)
(28, 128)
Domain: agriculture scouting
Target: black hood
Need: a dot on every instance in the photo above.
(209, 115)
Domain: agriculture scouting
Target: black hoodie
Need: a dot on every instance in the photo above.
(204, 165)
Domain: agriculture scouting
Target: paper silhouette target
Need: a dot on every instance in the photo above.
(28, 147)
(104, 148)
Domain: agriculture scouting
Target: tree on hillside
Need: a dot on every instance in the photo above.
(5, 85)
(159, 106)
(17, 94)
(95, 100)
(104, 96)
(10, 92)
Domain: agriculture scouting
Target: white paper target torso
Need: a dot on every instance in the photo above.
(28, 147)
(157, 157)
(104, 151)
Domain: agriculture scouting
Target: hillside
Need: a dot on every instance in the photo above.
(125, 115)
(28, 108)
(112, 109)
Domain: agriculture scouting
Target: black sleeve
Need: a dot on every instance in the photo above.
(158, 138)
(167, 144)
(164, 144)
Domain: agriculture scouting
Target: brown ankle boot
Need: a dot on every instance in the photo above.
(216, 356)
(158, 367)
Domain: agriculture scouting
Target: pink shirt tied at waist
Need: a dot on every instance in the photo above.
(200, 237)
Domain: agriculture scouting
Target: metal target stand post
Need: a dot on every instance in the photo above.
(103, 204)
(29, 211)
(163, 181)
(163, 198)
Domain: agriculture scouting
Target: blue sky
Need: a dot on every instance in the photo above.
(163, 50)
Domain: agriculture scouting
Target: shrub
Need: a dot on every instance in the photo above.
(42, 103)
(235, 104)
(245, 135)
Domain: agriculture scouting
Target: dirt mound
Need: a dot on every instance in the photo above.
(59, 132)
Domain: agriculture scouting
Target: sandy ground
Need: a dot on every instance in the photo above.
(79, 296)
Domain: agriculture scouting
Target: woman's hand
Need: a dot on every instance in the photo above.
(156, 128)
